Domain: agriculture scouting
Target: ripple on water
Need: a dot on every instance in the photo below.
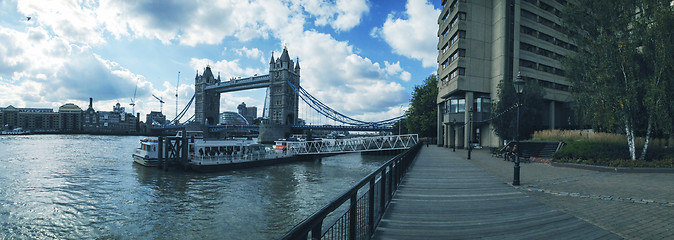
(82, 186)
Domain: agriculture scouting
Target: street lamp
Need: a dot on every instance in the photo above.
(470, 131)
(454, 126)
(519, 88)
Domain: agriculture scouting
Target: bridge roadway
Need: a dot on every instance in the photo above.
(241, 84)
(445, 196)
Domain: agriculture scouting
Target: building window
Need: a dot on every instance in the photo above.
(534, 2)
(445, 80)
(546, 22)
(444, 48)
(559, 72)
(453, 104)
(546, 68)
(482, 104)
(444, 17)
(529, 15)
(458, 53)
(444, 33)
(561, 43)
(547, 7)
(527, 64)
(528, 47)
(445, 63)
(546, 38)
(457, 72)
(528, 31)
(461, 107)
(454, 5)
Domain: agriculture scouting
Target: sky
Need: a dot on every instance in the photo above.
(360, 57)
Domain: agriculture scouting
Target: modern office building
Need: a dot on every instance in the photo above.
(250, 113)
(484, 42)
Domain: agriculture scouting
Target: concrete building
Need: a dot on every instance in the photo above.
(250, 113)
(482, 43)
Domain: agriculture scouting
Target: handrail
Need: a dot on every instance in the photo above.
(389, 181)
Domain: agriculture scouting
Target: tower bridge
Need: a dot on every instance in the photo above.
(281, 104)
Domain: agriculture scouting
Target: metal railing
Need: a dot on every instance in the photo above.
(367, 201)
(359, 144)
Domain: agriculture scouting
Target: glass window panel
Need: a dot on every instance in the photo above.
(462, 105)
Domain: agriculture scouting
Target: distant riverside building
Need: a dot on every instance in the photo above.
(232, 118)
(482, 43)
(250, 113)
(69, 119)
(70, 116)
(33, 119)
(155, 117)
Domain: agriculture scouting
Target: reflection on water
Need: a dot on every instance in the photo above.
(82, 186)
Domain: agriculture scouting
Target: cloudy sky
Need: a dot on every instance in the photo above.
(360, 57)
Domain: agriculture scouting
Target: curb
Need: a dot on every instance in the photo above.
(612, 169)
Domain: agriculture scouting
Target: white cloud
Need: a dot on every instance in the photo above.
(46, 69)
(331, 69)
(226, 69)
(343, 15)
(414, 37)
(406, 76)
(74, 21)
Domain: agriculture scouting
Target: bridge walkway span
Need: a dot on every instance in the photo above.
(445, 196)
(351, 145)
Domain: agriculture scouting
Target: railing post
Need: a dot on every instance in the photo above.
(352, 216)
(370, 209)
(382, 193)
(160, 151)
(390, 181)
(316, 232)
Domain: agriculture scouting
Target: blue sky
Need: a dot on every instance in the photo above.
(360, 57)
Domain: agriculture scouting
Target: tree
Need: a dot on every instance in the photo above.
(422, 113)
(619, 75)
(504, 113)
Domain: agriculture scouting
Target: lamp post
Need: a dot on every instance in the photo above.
(470, 131)
(454, 126)
(519, 87)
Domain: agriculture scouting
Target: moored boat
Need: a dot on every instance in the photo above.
(147, 153)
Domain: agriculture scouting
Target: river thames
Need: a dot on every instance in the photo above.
(85, 186)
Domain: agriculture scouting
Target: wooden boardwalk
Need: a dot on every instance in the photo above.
(445, 196)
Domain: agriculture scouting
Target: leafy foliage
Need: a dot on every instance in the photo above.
(422, 114)
(531, 110)
(622, 73)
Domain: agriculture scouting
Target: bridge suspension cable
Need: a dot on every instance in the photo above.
(330, 113)
(182, 113)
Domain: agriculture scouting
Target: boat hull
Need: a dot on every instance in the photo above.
(148, 162)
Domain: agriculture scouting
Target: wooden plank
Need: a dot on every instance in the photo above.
(445, 196)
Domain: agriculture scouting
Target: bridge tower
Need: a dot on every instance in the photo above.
(207, 103)
(283, 100)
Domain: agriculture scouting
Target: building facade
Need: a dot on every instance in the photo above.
(69, 119)
(250, 113)
(480, 44)
(33, 119)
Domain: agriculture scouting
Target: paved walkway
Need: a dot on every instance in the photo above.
(445, 196)
(631, 205)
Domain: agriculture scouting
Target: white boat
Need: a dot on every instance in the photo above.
(16, 131)
(214, 152)
(147, 153)
(204, 152)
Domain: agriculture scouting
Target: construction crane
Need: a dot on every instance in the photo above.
(161, 104)
(133, 100)
(177, 84)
